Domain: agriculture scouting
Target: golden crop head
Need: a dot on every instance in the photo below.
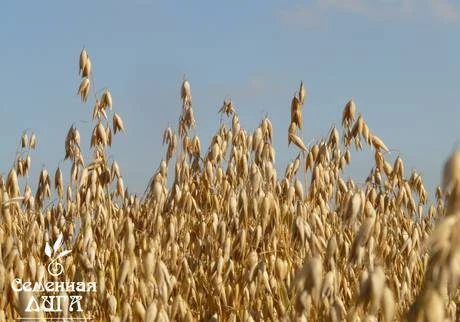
(222, 234)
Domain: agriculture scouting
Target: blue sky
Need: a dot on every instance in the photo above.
(398, 59)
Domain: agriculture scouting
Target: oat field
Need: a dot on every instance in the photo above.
(221, 235)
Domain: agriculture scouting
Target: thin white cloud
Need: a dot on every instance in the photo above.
(381, 10)
(445, 10)
(299, 17)
(373, 9)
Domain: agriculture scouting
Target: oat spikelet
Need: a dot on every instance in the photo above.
(118, 123)
(87, 68)
(106, 99)
(349, 111)
(59, 183)
(297, 141)
(24, 140)
(227, 107)
(83, 60)
(451, 172)
(302, 93)
(296, 112)
(33, 141)
(12, 184)
(186, 92)
(378, 143)
(83, 89)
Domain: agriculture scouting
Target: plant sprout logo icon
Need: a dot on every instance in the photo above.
(54, 267)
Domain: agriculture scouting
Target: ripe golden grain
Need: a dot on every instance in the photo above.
(83, 89)
(221, 235)
(83, 60)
